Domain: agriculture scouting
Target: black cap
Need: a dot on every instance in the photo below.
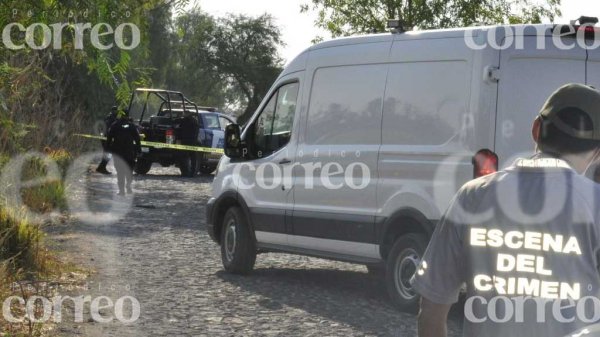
(574, 97)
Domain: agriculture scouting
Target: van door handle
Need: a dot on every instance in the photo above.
(284, 161)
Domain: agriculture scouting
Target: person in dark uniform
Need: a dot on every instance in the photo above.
(124, 143)
(189, 130)
(108, 121)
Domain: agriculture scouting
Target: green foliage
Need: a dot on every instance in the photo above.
(229, 62)
(192, 70)
(19, 241)
(63, 91)
(346, 17)
(3, 160)
(245, 49)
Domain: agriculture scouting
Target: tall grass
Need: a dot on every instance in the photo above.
(20, 239)
(23, 255)
(49, 196)
(20, 242)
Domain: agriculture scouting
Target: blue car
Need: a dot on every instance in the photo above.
(212, 134)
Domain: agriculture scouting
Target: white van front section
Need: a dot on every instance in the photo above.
(335, 178)
(225, 177)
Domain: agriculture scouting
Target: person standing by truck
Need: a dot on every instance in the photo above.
(124, 143)
(525, 240)
(108, 121)
(189, 130)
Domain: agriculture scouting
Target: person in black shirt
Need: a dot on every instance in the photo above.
(189, 130)
(108, 121)
(124, 143)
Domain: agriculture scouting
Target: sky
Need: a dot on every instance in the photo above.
(298, 29)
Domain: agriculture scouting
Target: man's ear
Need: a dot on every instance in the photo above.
(536, 129)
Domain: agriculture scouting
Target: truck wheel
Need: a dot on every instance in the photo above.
(238, 250)
(142, 166)
(185, 166)
(207, 169)
(402, 262)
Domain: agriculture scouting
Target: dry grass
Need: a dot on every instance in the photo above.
(49, 196)
(26, 264)
(45, 281)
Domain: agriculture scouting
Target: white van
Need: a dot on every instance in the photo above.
(361, 142)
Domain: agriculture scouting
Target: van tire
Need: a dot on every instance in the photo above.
(401, 264)
(238, 250)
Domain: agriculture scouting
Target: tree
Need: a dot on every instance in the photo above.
(62, 91)
(346, 17)
(49, 94)
(192, 70)
(245, 50)
(229, 62)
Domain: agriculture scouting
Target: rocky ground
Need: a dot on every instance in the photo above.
(160, 253)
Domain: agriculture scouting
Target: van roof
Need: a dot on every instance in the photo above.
(521, 29)
(299, 62)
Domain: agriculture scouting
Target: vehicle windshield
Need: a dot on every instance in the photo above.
(211, 121)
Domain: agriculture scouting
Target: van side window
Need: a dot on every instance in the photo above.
(272, 130)
(415, 102)
(345, 105)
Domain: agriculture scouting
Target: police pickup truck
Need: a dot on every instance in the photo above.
(163, 116)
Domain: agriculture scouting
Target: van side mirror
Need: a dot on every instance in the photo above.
(233, 142)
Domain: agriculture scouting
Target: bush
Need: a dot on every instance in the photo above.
(3, 160)
(24, 259)
(20, 240)
(49, 196)
(61, 156)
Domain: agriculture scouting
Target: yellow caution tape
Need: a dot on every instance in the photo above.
(89, 136)
(164, 145)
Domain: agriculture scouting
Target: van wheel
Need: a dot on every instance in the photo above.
(238, 250)
(402, 262)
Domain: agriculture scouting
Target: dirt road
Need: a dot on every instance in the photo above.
(160, 254)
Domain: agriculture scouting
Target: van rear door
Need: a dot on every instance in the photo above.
(527, 77)
(593, 65)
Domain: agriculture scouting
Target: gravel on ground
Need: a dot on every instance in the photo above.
(160, 254)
